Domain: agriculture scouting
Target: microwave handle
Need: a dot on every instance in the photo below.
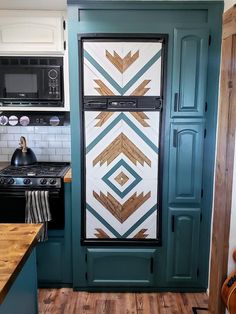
(4, 91)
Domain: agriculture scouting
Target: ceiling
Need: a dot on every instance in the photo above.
(33, 5)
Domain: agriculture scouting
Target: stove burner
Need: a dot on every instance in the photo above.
(37, 170)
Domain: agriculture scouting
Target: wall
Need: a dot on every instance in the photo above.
(48, 143)
(229, 4)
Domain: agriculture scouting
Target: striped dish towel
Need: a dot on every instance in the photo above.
(37, 210)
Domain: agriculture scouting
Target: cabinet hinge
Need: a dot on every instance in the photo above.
(86, 276)
(79, 15)
(86, 258)
(206, 106)
(64, 45)
(200, 217)
(64, 24)
(209, 40)
(198, 272)
(201, 193)
(205, 133)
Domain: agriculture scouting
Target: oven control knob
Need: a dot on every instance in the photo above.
(11, 181)
(43, 181)
(52, 74)
(52, 181)
(26, 181)
(2, 180)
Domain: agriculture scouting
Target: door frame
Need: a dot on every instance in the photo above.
(224, 163)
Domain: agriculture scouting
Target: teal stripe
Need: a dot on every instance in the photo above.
(102, 71)
(141, 72)
(103, 221)
(120, 117)
(141, 220)
(137, 76)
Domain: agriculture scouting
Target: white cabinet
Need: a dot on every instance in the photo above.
(25, 31)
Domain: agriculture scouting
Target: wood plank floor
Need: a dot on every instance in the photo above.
(67, 301)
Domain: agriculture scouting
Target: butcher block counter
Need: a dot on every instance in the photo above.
(68, 176)
(18, 276)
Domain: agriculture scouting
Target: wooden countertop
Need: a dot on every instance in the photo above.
(68, 176)
(4, 164)
(16, 244)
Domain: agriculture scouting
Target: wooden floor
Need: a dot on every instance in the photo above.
(67, 301)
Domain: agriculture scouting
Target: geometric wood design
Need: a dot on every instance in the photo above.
(122, 64)
(141, 234)
(122, 212)
(101, 234)
(103, 117)
(122, 178)
(139, 116)
(122, 145)
(103, 89)
(141, 90)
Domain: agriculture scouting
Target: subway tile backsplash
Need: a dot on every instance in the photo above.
(48, 143)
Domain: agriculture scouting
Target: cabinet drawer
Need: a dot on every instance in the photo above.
(120, 267)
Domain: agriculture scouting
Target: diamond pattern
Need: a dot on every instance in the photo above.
(121, 178)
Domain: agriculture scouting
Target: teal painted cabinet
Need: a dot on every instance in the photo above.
(54, 260)
(121, 267)
(186, 160)
(183, 245)
(187, 147)
(189, 72)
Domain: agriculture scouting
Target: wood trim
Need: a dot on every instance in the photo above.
(229, 22)
(224, 165)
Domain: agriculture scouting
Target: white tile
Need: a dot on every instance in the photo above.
(8, 151)
(66, 157)
(56, 158)
(38, 151)
(43, 158)
(41, 129)
(28, 129)
(3, 157)
(66, 144)
(41, 144)
(55, 144)
(34, 136)
(15, 129)
(48, 137)
(54, 130)
(62, 137)
(3, 129)
(13, 144)
(65, 130)
(63, 151)
(49, 151)
(3, 143)
(7, 136)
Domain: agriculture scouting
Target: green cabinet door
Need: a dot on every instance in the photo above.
(183, 244)
(186, 158)
(189, 72)
(121, 267)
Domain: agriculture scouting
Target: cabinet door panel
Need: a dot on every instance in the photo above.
(121, 267)
(189, 72)
(183, 243)
(185, 170)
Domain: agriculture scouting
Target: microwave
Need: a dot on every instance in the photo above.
(31, 81)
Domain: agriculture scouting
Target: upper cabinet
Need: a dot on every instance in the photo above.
(189, 72)
(25, 32)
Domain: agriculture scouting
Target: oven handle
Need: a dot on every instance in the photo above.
(21, 193)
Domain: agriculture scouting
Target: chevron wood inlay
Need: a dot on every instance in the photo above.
(103, 117)
(101, 234)
(121, 178)
(141, 234)
(122, 212)
(103, 90)
(141, 90)
(140, 117)
(122, 64)
(122, 144)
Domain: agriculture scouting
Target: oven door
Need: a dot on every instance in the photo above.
(12, 207)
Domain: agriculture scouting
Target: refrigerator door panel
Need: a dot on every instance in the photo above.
(114, 68)
(121, 162)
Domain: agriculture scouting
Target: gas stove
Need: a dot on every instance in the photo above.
(39, 175)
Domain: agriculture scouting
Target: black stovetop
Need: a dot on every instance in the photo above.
(40, 169)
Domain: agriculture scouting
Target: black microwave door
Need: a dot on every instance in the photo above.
(20, 83)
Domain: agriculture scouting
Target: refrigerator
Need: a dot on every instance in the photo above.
(122, 92)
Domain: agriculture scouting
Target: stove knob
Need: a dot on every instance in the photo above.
(11, 181)
(2, 180)
(52, 181)
(26, 181)
(43, 181)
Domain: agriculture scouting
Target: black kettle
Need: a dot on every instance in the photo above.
(23, 156)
